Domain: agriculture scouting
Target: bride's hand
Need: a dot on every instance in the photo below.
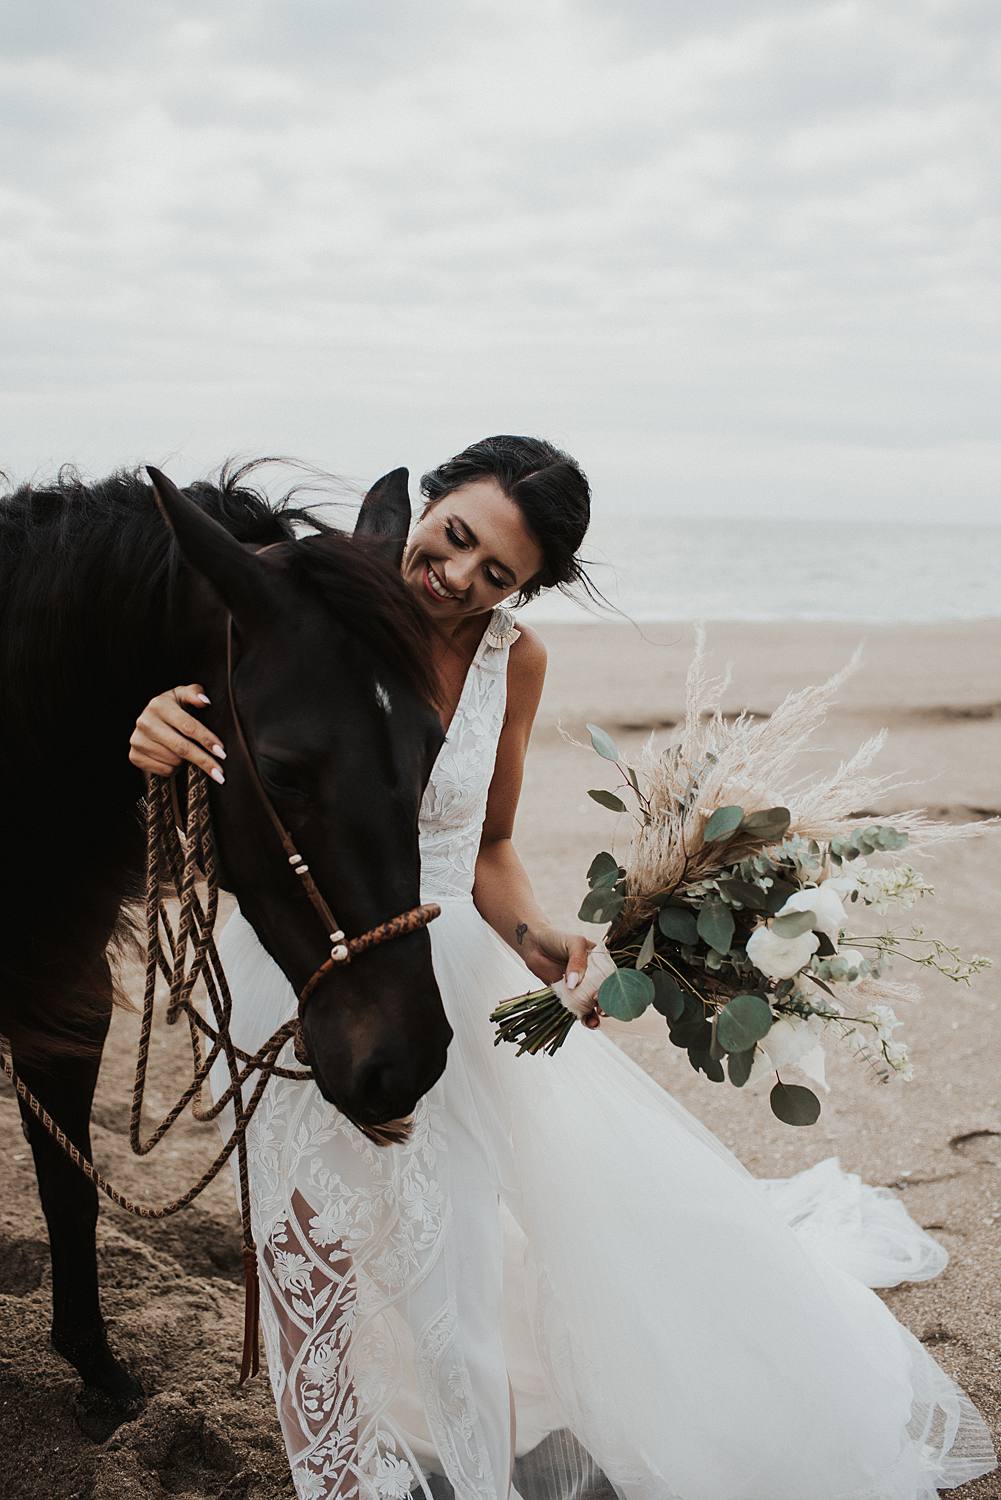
(585, 965)
(166, 734)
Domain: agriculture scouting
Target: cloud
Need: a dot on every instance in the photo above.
(730, 254)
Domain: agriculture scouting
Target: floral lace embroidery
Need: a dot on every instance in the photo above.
(347, 1231)
(456, 797)
(449, 1397)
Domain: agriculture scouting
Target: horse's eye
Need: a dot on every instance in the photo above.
(280, 777)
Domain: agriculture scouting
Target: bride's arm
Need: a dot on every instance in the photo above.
(502, 891)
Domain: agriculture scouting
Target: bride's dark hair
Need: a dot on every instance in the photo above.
(548, 487)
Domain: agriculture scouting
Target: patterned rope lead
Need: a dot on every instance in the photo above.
(181, 861)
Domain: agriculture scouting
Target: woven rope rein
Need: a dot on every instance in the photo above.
(179, 860)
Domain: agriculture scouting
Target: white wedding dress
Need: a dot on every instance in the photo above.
(672, 1329)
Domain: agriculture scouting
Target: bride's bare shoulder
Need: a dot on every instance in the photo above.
(527, 667)
(529, 648)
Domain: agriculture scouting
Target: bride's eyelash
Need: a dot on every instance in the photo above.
(458, 541)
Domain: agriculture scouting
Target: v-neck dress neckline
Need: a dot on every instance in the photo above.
(499, 631)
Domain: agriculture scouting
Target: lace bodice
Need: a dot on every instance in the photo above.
(455, 800)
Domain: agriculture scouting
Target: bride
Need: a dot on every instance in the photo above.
(562, 1287)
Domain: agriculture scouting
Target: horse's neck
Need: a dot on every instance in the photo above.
(89, 661)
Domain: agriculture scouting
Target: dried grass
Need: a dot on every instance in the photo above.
(749, 762)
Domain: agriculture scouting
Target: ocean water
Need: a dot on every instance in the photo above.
(666, 568)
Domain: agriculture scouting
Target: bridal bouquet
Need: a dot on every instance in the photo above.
(742, 909)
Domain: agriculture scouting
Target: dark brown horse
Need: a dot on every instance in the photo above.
(102, 605)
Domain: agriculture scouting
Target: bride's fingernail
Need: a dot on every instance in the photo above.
(201, 698)
(573, 979)
(218, 776)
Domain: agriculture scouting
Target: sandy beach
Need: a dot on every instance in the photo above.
(172, 1291)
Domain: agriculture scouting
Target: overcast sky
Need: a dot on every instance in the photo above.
(739, 256)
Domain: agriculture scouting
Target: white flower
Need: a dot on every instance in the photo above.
(825, 903)
(778, 957)
(323, 1364)
(898, 1057)
(308, 1486)
(393, 1477)
(900, 885)
(884, 1020)
(792, 1042)
(292, 1271)
(332, 1224)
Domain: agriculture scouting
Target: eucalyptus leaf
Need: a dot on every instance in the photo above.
(603, 742)
(633, 779)
(738, 1066)
(668, 996)
(742, 1022)
(625, 994)
(601, 905)
(723, 822)
(604, 866)
(704, 1062)
(609, 800)
(794, 924)
(679, 925)
(695, 1033)
(794, 1105)
(647, 948)
(768, 824)
(778, 894)
(715, 926)
(745, 892)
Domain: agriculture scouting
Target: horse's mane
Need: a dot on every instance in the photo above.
(87, 578)
(101, 552)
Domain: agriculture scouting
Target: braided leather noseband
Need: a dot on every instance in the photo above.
(342, 948)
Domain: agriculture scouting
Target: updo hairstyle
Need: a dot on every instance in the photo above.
(548, 487)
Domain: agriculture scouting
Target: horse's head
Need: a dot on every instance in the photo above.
(332, 684)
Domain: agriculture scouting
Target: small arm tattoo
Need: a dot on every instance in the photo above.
(520, 932)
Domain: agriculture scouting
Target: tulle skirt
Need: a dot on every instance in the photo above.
(562, 1240)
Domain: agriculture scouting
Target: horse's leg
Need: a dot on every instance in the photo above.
(65, 1085)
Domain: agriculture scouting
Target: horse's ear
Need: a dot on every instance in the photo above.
(385, 513)
(233, 572)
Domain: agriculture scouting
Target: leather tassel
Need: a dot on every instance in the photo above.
(251, 1362)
